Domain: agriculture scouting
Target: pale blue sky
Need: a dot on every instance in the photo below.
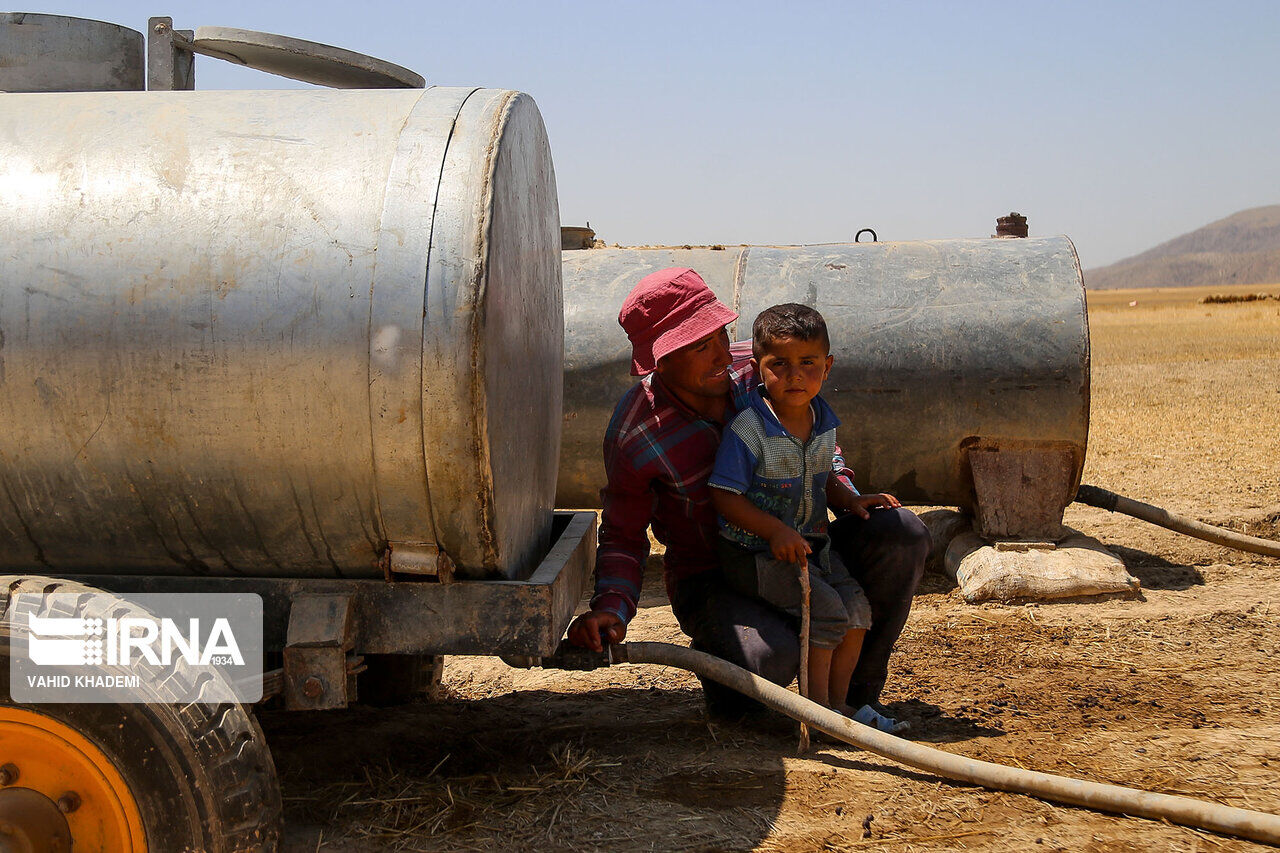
(1118, 124)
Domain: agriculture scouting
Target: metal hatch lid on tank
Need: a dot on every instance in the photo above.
(59, 53)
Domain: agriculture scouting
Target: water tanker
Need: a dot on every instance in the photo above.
(301, 345)
(959, 366)
(278, 333)
(311, 346)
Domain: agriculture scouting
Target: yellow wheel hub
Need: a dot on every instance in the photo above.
(41, 755)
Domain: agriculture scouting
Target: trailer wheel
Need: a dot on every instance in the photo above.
(399, 679)
(158, 776)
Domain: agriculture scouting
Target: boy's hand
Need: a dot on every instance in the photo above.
(861, 504)
(789, 546)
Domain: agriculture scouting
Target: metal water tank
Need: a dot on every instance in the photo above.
(942, 348)
(289, 333)
(55, 53)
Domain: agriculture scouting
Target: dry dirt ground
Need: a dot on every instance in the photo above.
(1173, 691)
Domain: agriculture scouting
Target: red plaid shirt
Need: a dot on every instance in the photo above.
(658, 454)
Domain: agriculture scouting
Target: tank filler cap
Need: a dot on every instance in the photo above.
(1013, 225)
(308, 61)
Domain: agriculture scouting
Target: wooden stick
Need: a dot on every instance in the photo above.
(804, 648)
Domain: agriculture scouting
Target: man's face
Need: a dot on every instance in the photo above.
(700, 369)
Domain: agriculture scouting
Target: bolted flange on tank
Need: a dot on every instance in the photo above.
(282, 333)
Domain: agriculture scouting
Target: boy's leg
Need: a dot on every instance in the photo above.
(740, 629)
(828, 630)
(820, 675)
(886, 555)
(843, 663)
(847, 653)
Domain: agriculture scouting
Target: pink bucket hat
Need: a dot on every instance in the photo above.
(667, 310)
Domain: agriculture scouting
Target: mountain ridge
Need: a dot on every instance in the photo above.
(1243, 248)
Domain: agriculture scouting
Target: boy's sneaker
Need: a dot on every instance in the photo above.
(869, 716)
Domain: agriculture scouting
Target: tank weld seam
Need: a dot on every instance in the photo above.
(426, 295)
(487, 538)
(380, 520)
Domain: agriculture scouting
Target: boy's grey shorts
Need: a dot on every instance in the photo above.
(836, 601)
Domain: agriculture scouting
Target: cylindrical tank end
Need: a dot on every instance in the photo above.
(57, 53)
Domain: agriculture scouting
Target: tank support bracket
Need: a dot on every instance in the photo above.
(321, 635)
(1022, 489)
(170, 62)
(420, 559)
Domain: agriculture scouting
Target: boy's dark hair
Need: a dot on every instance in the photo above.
(788, 320)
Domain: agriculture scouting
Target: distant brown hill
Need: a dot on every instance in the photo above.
(1244, 248)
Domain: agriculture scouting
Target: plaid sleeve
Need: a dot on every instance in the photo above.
(624, 538)
(843, 473)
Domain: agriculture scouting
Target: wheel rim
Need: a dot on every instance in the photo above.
(58, 762)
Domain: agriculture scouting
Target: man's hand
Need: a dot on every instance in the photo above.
(860, 504)
(789, 546)
(586, 630)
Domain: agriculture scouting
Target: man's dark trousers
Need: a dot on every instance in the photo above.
(884, 553)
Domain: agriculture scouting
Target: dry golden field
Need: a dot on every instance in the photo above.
(1174, 691)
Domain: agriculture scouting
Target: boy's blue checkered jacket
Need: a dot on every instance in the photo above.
(777, 473)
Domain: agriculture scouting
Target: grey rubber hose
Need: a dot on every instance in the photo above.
(1256, 826)
(1103, 499)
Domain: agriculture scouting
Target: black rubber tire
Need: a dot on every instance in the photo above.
(200, 772)
(390, 680)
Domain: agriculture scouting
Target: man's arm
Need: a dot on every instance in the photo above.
(842, 472)
(623, 548)
(620, 555)
(594, 628)
(843, 498)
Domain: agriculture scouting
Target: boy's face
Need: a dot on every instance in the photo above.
(793, 371)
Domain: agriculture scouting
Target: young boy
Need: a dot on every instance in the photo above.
(771, 487)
